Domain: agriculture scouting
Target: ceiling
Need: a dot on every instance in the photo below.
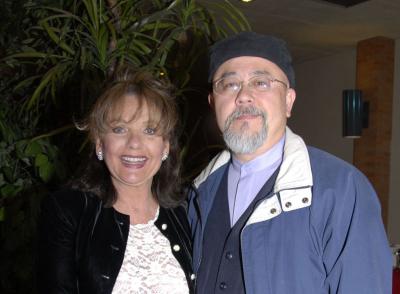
(315, 28)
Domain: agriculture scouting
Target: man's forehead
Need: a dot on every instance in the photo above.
(233, 73)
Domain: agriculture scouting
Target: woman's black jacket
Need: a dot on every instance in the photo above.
(81, 243)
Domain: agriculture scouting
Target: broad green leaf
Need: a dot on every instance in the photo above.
(9, 190)
(46, 168)
(41, 160)
(33, 148)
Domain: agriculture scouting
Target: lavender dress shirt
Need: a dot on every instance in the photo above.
(246, 179)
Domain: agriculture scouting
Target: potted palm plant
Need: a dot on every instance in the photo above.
(55, 54)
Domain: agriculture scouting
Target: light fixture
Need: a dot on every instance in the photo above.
(355, 113)
(246, 1)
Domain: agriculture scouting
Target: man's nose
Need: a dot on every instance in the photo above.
(244, 96)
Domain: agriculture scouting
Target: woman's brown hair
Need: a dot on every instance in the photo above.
(157, 94)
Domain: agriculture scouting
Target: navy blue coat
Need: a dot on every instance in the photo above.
(319, 231)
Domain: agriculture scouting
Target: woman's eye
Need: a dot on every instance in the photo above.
(150, 131)
(118, 130)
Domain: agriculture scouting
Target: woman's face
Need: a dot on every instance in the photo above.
(132, 149)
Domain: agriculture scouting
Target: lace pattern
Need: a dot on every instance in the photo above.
(149, 267)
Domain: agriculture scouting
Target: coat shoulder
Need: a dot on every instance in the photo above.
(69, 202)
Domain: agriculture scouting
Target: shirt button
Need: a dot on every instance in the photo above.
(305, 200)
(192, 277)
(164, 227)
(223, 286)
(273, 210)
(229, 255)
(176, 247)
(113, 247)
(288, 204)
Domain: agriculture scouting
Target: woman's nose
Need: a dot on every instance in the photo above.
(134, 140)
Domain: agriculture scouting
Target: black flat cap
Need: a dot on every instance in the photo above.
(251, 44)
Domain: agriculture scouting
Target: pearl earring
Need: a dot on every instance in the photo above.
(164, 157)
(100, 155)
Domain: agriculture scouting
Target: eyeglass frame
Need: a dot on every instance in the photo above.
(271, 80)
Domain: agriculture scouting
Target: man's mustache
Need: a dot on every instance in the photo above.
(250, 110)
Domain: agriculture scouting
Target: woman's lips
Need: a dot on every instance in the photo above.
(134, 161)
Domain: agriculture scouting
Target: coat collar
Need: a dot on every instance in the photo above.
(292, 189)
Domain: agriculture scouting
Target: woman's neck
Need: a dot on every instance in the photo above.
(139, 204)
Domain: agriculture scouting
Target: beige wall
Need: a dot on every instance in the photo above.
(317, 116)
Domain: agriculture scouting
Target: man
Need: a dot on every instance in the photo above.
(270, 214)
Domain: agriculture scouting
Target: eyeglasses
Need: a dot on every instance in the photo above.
(231, 85)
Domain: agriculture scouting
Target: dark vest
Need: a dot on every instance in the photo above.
(221, 265)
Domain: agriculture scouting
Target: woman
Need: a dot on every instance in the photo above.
(116, 230)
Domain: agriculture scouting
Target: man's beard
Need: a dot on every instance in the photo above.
(242, 141)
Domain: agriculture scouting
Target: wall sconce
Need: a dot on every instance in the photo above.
(355, 113)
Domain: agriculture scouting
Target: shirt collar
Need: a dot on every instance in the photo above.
(261, 162)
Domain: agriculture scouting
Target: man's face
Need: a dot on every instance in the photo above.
(254, 118)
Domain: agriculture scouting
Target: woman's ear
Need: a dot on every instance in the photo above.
(98, 145)
(166, 147)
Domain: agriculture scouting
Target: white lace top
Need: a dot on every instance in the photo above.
(149, 267)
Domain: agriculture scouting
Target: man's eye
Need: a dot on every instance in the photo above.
(261, 84)
(150, 131)
(231, 85)
(118, 130)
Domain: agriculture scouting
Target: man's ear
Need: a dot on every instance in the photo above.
(211, 100)
(290, 98)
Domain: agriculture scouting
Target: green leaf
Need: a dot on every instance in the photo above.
(234, 16)
(19, 183)
(8, 173)
(93, 12)
(33, 148)
(6, 132)
(46, 172)
(54, 132)
(20, 148)
(28, 55)
(26, 82)
(52, 34)
(41, 160)
(46, 168)
(9, 190)
(56, 72)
